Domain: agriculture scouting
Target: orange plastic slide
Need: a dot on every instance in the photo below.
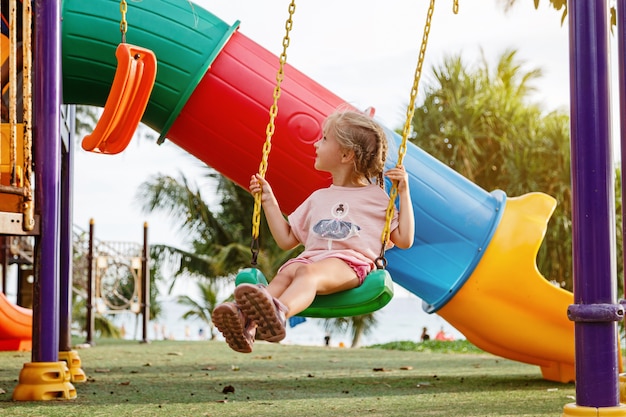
(15, 326)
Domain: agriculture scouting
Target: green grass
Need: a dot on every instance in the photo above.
(431, 346)
(170, 378)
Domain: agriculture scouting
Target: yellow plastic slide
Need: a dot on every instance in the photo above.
(507, 307)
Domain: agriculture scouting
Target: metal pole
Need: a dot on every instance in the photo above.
(621, 58)
(595, 311)
(47, 159)
(4, 257)
(65, 302)
(90, 320)
(145, 287)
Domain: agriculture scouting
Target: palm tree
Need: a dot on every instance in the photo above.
(482, 123)
(219, 238)
(358, 326)
(216, 241)
(102, 325)
(556, 4)
(470, 118)
(202, 309)
(559, 5)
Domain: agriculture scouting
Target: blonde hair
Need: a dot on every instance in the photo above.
(360, 133)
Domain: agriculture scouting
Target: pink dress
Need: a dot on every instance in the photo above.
(342, 222)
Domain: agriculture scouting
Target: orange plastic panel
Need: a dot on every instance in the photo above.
(15, 326)
(5, 153)
(127, 101)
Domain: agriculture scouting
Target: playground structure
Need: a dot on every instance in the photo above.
(230, 78)
(117, 279)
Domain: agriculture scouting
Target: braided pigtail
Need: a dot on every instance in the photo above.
(383, 147)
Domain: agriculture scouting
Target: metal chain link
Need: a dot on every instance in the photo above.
(123, 22)
(13, 90)
(269, 131)
(28, 206)
(393, 193)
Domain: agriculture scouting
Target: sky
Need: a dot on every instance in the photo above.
(364, 51)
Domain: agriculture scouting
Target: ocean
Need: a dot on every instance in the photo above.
(402, 319)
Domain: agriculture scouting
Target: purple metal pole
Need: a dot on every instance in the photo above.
(621, 58)
(48, 162)
(595, 330)
(65, 295)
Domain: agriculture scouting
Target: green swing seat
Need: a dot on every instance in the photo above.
(375, 292)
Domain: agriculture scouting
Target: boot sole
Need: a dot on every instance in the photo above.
(228, 320)
(258, 306)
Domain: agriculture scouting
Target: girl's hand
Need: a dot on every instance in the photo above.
(403, 235)
(277, 223)
(255, 184)
(259, 184)
(399, 175)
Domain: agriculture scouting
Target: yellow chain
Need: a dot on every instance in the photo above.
(393, 193)
(269, 131)
(123, 23)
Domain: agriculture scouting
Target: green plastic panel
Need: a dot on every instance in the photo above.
(185, 39)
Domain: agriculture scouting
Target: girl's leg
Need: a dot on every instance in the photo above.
(327, 276)
(290, 292)
(261, 305)
(280, 282)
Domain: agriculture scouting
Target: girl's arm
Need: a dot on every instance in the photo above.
(280, 228)
(403, 235)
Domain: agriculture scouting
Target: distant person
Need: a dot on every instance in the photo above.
(327, 340)
(441, 335)
(425, 336)
(339, 226)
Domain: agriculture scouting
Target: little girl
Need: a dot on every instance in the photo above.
(339, 226)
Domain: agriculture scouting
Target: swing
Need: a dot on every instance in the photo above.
(377, 288)
(132, 85)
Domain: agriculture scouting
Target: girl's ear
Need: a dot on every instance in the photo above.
(347, 155)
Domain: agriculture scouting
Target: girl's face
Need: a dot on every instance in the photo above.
(328, 152)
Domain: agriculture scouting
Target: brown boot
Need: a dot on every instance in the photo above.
(237, 330)
(261, 308)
